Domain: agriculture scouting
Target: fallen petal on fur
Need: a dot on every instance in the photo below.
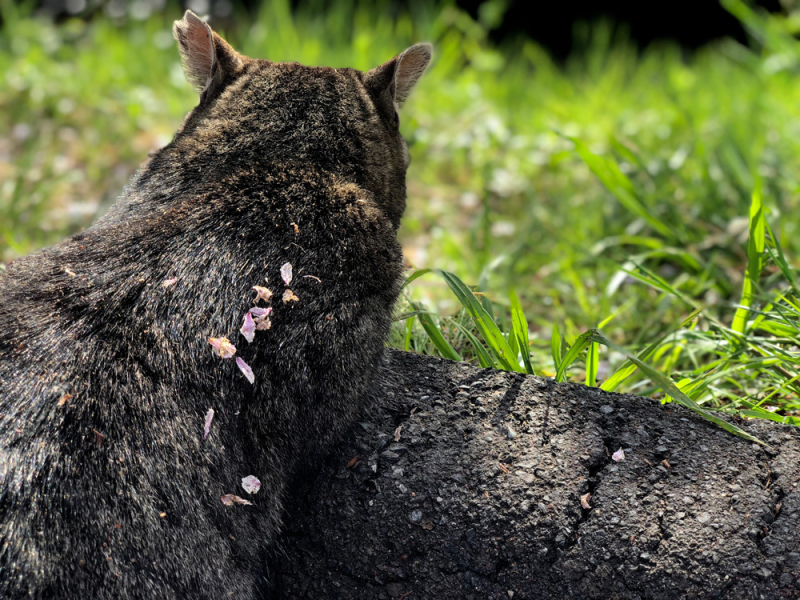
(251, 484)
(231, 499)
(248, 329)
(222, 347)
(286, 273)
(262, 293)
(209, 418)
(244, 368)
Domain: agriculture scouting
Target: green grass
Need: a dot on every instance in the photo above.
(628, 219)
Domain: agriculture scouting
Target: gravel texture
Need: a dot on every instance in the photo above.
(466, 483)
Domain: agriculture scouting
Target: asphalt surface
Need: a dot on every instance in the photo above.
(478, 495)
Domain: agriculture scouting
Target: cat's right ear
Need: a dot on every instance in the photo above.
(206, 57)
(394, 80)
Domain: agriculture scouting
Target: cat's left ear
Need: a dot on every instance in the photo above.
(207, 58)
(395, 79)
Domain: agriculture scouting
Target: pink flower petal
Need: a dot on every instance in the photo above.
(262, 293)
(209, 418)
(248, 329)
(263, 324)
(251, 484)
(222, 346)
(259, 312)
(168, 282)
(286, 273)
(618, 455)
(244, 368)
(231, 499)
(585, 499)
(289, 296)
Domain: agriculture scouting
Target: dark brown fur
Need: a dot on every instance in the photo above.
(107, 488)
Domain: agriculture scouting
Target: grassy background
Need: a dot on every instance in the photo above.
(616, 190)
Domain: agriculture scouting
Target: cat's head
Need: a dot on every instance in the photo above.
(259, 112)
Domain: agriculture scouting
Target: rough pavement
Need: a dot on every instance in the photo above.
(466, 483)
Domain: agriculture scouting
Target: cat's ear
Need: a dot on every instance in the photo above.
(411, 64)
(398, 77)
(206, 57)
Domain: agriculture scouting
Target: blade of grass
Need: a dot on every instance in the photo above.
(644, 275)
(484, 358)
(574, 352)
(491, 334)
(628, 367)
(557, 347)
(672, 391)
(436, 337)
(759, 413)
(407, 340)
(755, 256)
(780, 260)
(609, 173)
(514, 341)
(416, 275)
(520, 332)
(592, 360)
(486, 326)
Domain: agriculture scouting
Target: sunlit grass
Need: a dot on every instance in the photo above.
(611, 193)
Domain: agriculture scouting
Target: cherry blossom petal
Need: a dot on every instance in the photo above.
(244, 368)
(209, 418)
(262, 293)
(618, 455)
(251, 484)
(289, 296)
(231, 499)
(286, 273)
(222, 347)
(259, 312)
(263, 324)
(248, 329)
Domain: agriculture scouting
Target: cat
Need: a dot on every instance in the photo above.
(222, 323)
